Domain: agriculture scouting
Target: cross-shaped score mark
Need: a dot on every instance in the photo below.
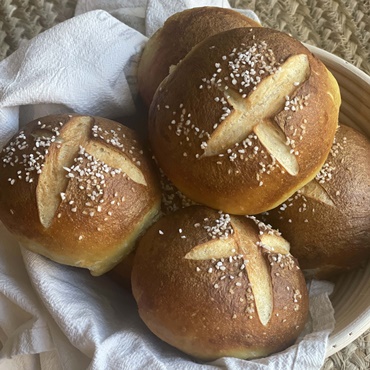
(53, 181)
(256, 112)
(315, 191)
(241, 243)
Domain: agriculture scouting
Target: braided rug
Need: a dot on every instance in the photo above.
(341, 27)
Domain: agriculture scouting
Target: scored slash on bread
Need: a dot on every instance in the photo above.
(314, 190)
(78, 190)
(243, 242)
(207, 283)
(235, 125)
(327, 221)
(61, 158)
(254, 113)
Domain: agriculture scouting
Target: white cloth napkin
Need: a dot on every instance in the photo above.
(58, 317)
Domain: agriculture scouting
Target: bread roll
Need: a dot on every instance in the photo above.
(78, 190)
(179, 34)
(245, 120)
(215, 285)
(327, 222)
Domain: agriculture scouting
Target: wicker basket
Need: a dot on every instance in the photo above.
(351, 298)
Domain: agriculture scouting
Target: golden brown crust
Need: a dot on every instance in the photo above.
(213, 307)
(78, 190)
(209, 99)
(179, 34)
(328, 221)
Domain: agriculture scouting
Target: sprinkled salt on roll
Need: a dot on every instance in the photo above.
(78, 190)
(179, 34)
(327, 222)
(246, 119)
(213, 285)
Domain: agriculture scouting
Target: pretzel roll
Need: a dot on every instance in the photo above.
(179, 34)
(78, 190)
(215, 285)
(245, 120)
(327, 222)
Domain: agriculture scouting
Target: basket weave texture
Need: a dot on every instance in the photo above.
(24, 19)
(341, 27)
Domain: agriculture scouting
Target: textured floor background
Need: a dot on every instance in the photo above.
(338, 26)
(341, 27)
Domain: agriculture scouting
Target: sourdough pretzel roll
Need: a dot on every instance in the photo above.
(246, 119)
(78, 190)
(179, 34)
(327, 222)
(215, 285)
